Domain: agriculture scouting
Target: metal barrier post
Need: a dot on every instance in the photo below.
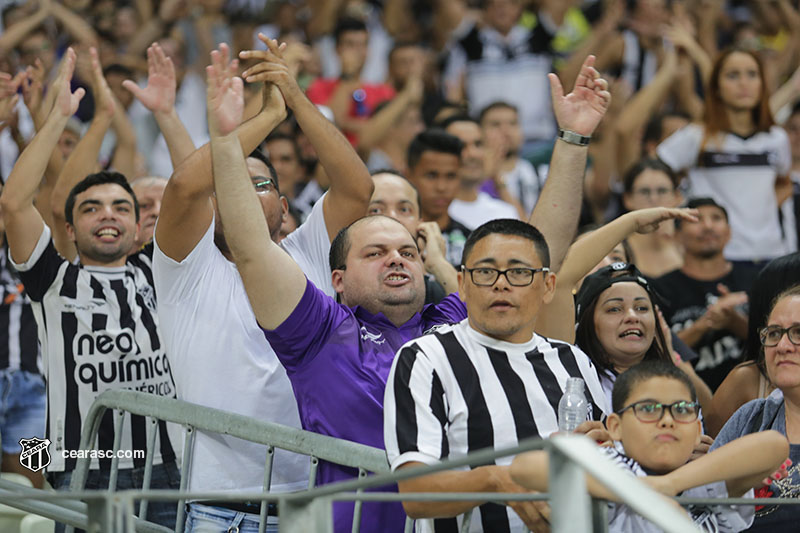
(101, 516)
(303, 516)
(151, 427)
(570, 510)
(188, 448)
(599, 516)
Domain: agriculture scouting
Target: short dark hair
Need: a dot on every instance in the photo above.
(261, 156)
(647, 163)
(399, 45)
(92, 180)
(433, 140)
(460, 117)
(508, 226)
(654, 129)
(500, 104)
(346, 24)
(116, 68)
(702, 201)
(645, 370)
(340, 246)
(281, 136)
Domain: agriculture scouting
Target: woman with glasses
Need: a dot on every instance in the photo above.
(780, 360)
(737, 156)
(618, 326)
(650, 183)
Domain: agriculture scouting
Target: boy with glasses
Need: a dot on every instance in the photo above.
(655, 419)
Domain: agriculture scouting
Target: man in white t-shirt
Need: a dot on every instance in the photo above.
(220, 356)
(471, 205)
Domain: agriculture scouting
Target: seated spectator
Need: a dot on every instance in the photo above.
(737, 156)
(618, 326)
(650, 183)
(434, 157)
(781, 346)
(390, 150)
(655, 419)
(284, 154)
(471, 204)
(748, 380)
(516, 178)
(351, 100)
(493, 382)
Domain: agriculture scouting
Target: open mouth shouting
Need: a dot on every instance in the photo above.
(632, 333)
(396, 278)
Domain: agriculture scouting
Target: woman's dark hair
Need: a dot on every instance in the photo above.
(775, 278)
(587, 340)
(648, 163)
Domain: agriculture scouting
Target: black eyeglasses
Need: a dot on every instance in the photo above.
(517, 277)
(648, 411)
(263, 185)
(772, 335)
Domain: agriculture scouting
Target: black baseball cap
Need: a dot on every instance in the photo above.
(596, 283)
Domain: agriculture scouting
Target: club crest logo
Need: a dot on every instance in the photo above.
(35, 453)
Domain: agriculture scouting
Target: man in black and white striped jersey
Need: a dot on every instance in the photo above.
(97, 320)
(487, 382)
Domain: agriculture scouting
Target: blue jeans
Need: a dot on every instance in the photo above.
(164, 476)
(205, 519)
(22, 408)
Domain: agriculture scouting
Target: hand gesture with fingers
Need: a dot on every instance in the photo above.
(159, 95)
(33, 88)
(8, 94)
(647, 220)
(581, 110)
(272, 68)
(104, 102)
(65, 102)
(225, 93)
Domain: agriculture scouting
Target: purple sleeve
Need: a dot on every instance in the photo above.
(451, 310)
(301, 336)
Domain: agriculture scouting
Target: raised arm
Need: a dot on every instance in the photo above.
(159, 98)
(12, 36)
(351, 185)
(557, 320)
(22, 221)
(258, 259)
(76, 26)
(186, 209)
(83, 159)
(558, 209)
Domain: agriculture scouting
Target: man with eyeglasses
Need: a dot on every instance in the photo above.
(217, 351)
(486, 382)
(338, 355)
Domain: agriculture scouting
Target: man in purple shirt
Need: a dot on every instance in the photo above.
(338, 355)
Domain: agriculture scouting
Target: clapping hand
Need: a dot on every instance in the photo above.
(581, 110)
(225, 93)
(159, 95)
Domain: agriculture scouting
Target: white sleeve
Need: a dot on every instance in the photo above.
(38, 250)
(309, 245)
(783, 152)
(176, 280)
(679, 151)
(727, 518)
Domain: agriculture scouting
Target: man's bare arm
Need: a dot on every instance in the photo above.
(351, 185)
(258, 259)
(558, 209)
(23, 223)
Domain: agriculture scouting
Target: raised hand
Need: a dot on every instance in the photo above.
(104, 101)
(33, 88)
(273, 68)
(65, 102)
(225, 93)
(647, 220)
(582, 109)
(8, 94)
(159, 95)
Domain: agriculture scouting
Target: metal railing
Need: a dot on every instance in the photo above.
(311, 510)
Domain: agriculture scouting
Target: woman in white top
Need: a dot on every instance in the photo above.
(737, 156)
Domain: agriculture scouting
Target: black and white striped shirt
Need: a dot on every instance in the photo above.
(19, 347)
(98, 330)
(456, 391)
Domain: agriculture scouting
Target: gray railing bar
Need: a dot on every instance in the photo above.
(188, 448)
(641, 498)
(466, 521)
(262, 518)
(119, 418)
(312, 472)
(358, 504)
(337, 451)
(570, 503)
(150, 427)
(409, 526)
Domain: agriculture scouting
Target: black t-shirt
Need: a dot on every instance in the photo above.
(686, 300)
(455, 236)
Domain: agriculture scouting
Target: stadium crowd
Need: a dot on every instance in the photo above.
(406, 224)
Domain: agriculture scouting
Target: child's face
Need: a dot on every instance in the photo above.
(659, 446)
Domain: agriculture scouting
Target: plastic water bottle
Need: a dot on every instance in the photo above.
(572, 407)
